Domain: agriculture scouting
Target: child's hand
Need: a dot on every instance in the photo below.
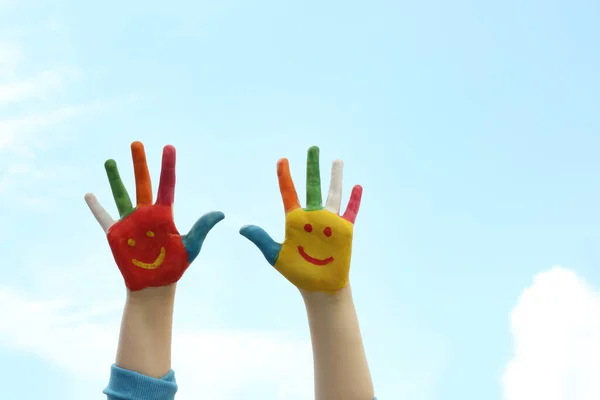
(315, 255)
(145, 243)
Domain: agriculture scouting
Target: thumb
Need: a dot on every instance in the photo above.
(194, 239)
(263, 241)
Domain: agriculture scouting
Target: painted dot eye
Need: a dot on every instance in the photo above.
(150, 234)
(327, 231)
(308, 228)
(131, 242)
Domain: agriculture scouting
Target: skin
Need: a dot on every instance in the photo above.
(146, 331)
(147, 323)
(315, 257)
(340, 363)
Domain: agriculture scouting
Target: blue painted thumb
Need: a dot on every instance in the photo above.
(263, 241)
(195, 238)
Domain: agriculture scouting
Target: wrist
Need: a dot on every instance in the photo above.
(153, 298)
(324, 300)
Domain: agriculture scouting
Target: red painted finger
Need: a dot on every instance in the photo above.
(166, 187)
(353, 204)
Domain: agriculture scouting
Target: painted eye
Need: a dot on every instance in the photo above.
(308, 228)
(150, 234)
(131, 242)
(327, 231)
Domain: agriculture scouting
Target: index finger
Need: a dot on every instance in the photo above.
(166, 187)
(118, 188)
(286, 186)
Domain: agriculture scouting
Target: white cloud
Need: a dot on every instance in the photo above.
(556, 333)
(209, 364)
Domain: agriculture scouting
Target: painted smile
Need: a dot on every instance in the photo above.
(313, 260)
(157, 263)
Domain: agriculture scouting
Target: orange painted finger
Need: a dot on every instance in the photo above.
(286, 186)
(143, 185)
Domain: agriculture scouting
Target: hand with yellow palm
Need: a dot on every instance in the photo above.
(315, 255)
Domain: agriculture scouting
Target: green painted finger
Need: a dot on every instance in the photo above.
(313, 180)
(118, 189)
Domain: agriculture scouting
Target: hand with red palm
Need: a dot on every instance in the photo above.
(145, 243)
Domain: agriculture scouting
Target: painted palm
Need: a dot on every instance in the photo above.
(145, 243)
(315, 255)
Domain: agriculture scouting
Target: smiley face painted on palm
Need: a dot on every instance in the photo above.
(317, 249)
(147, 246)
(316, 252)
(145, 243)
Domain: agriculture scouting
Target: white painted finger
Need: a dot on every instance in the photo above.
(103, 217)
(334, 198)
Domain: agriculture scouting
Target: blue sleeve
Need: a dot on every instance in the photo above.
(129, 385)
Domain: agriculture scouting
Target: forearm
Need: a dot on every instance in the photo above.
(146, 331)
(340, 364)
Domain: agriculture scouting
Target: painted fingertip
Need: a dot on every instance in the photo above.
(313, 154)
(216, 216)
(169, 149)
(244, 229)
(250, 231)
(137, 145)
(356, 194)
(337, 170)
(110, 164)
(282, 164)
(169, 155)
(261, 239)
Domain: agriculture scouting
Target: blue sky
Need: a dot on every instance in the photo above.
(473, 128)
